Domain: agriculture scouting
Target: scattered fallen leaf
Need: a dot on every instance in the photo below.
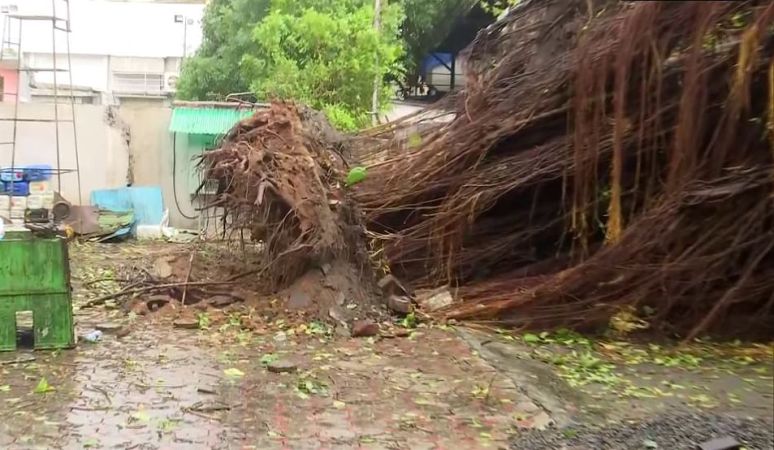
(234, 373)
(91, 443)
(339, 404)
(530, 338)
(43, 387)
(141, 416)
(268, 359)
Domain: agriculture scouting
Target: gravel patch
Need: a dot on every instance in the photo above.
(670, 431)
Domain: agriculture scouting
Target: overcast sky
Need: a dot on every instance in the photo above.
(136, 28)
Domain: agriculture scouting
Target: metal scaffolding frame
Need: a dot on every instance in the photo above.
(61, 25)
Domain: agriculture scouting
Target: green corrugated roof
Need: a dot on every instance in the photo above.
(206, 120)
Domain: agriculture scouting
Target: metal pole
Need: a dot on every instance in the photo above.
(56, 105)
(377, 77)
(72, 105)
(185, 36)
(15, 108)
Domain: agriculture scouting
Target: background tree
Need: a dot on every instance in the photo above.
(322, 52)
(214, 71)
(325, 53)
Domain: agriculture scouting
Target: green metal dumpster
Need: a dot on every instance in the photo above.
(35, 276)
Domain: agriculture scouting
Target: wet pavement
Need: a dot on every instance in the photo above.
(283, 383)
(162, 388)
(150, 385)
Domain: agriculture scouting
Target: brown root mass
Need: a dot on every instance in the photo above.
(603, 156)
(280, 178)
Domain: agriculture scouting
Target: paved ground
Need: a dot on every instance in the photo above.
(159, 387)
(165, 388)
(148, 385)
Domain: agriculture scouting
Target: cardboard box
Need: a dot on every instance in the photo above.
(48, 200)
(17, 213)
(41, 187)
(19, 203)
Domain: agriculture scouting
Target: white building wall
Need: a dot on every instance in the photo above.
(116, 48)
(87, 71)
(103, 153)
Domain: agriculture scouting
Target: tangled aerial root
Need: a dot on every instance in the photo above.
(599, 159)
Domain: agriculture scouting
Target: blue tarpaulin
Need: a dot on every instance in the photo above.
(434, 60)
(145, 202)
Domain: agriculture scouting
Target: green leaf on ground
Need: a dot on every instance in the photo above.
(141, 416)
(43, 387)
(268, 358)
(356, 175)
(530, 338)
(5, 388)
(91, 443)
(410, 321)
(234, 373)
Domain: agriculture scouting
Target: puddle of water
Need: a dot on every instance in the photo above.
(115, 394)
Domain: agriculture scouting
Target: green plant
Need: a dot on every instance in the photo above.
(204, 321)
(43, 387)
(410, 321)
(327, 54)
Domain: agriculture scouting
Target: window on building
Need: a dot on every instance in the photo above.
(138, 83)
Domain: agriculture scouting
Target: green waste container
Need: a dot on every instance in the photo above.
(35, 276)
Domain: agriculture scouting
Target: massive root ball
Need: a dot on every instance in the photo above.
(279, 174)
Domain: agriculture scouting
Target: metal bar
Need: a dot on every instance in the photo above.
(47, 171)
(16, 119)
(44, 69)
(33, 17)
(453, 77)
(72, 105)
(56, 105)
(15, 114)
(441, 61)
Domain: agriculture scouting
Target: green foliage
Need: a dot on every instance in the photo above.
(228, 34)
(325, 53)
(497, 7)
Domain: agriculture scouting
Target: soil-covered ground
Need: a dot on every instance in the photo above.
(244, 376)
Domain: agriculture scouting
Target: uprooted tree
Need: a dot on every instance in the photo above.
(281, 175)
(604, 157)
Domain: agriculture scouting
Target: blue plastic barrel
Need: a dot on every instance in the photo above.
(17, 188)
(37, 172)
(6, 174)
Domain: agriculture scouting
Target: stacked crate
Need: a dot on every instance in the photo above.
(25, 188)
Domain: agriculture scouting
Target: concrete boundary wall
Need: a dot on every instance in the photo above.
(117, 146)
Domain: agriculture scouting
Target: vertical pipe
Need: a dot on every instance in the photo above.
(453, 78)
(377, 77)
(15, 108)
(56, 96)
(72, 105)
